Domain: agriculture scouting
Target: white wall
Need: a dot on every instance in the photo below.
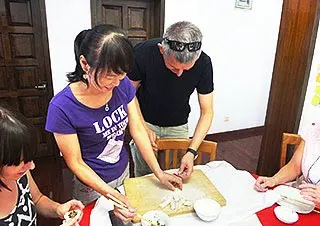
(241, 43)
(310, 112)
(65, 19)
(242, 46)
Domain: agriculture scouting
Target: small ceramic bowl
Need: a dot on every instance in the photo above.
(286, 215)
(207, 209)
(156, 216)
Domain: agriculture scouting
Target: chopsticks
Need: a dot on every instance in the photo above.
(295, 201)
(123, 206)
(299, 202)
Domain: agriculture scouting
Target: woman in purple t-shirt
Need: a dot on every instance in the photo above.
(89, 117)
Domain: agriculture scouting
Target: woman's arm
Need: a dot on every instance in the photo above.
(46, 206)
(287, 173)
(141, 139)
(70, 149)
(292, 169)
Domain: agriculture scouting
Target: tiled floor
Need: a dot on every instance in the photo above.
(55, 179)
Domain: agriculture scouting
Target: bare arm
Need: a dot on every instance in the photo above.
(151, 134)
(205, 120)
(46, 206)
(203, 125)
(292, 169)
(70, 149)
(287, 173)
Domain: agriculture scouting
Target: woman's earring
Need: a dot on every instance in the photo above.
(85, 76)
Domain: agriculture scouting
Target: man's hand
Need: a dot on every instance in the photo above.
(186, 166)
(152, 137)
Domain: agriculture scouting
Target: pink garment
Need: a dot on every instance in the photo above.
(311, 154)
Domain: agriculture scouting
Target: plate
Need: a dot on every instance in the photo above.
(156, 216)
(291, 198)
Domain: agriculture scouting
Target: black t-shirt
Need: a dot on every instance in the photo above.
(163, 96)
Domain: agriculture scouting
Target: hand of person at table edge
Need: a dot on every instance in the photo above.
(311, 192)
(124, 214)
(152, 137)
(186, 166)
(62, 209)
(264, 183)
(169, 180)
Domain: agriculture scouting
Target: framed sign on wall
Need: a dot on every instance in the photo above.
(244, 4)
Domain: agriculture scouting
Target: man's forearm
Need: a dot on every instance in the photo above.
(201, 130)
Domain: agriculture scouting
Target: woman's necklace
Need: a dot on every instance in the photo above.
(308, 178)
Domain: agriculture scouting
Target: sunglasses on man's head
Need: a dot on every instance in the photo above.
(180, 46)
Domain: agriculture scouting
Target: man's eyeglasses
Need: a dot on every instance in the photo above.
(180, 46)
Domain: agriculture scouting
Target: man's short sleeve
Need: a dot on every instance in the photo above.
(205, 84)
(137, 72)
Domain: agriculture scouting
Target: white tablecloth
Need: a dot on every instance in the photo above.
(235, 185)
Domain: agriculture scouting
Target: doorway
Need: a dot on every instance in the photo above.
(26, 83)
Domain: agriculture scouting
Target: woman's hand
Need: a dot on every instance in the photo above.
(124, 215)
(186, 166)
(311, 192)
(171, 181)
(62, 209)
(263, 183)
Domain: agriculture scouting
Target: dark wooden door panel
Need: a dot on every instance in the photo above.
(141, 19)
(25, 82)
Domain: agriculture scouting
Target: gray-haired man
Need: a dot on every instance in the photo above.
(166, 72)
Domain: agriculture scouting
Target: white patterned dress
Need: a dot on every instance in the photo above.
(24, 213)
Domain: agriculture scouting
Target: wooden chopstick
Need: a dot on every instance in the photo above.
(295, 201)
(316, 210)
(123, 206)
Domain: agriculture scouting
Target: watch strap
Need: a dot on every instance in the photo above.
(194, 152)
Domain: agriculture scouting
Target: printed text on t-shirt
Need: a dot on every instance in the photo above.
(112, 125)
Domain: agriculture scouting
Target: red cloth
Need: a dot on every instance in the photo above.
(267, 217)
(85, 221)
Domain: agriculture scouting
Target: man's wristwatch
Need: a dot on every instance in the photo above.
(194, 152)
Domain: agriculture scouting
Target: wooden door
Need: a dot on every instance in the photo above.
(142, 19)
(25, 82)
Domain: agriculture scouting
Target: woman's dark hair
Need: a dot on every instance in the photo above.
(15, 140)
(106, 48)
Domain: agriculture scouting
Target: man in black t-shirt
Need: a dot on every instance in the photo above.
(166, 71)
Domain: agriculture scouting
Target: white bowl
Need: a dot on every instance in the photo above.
(156, 216)
(207, 209)
(286, 215)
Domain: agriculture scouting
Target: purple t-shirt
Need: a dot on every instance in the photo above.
(100, 131)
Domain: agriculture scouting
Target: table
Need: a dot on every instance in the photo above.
(266, 217)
